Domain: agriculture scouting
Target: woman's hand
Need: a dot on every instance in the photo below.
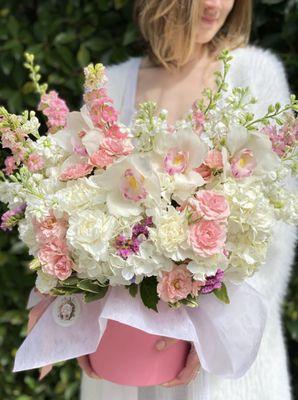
(188, 373)
(84, 363)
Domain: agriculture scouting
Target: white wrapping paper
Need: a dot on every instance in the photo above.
(226, 337)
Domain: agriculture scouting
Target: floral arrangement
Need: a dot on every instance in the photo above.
(172, 211)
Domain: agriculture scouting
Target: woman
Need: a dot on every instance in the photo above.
(183, 40)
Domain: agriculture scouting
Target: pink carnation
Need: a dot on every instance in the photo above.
(76, 171)
(207, 237)
(55, 260)
(175, 285)
(50, 228)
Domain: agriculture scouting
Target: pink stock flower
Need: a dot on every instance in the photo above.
(76, 171)
(101, 159)
(11, 217)
(243, 163)
(175, 285)
(50, 228)
(116, 147)
(176, 162)
(207, 237)
(103, 114)
(97, 96)
(55, 109)
(10, 165)
(214, 159)
(198, 118)
(210, 205)
(109, 114)
(115, 132)
(132, 186)
(34, 162)
(284, 138)
(54, 258)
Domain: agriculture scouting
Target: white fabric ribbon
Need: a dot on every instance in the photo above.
(226, 337)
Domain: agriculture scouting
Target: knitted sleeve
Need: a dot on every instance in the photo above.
(264, 73)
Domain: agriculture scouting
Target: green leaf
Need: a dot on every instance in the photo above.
(89, 286)
(88, 297)
(133, 289)
(222, 294)
(148, 292)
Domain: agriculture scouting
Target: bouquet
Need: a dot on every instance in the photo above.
(172, 214)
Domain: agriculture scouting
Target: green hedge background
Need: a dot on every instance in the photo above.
(65, 36)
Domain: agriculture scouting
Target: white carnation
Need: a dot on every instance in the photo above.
(91, 231)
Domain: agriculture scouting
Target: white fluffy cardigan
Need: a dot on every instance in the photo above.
(268, 377)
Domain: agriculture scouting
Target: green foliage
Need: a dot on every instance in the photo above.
(65, 36)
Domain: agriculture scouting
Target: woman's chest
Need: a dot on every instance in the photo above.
(173, 92)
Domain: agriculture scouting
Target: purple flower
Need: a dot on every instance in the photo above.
(11, 217)
(213, 282)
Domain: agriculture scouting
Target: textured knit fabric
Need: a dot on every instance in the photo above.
(268, 378)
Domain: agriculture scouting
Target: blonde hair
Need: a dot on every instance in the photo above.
(169, 28)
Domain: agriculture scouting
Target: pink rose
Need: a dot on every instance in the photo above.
(76, 171)
(210, 205)
(207, 237)
(175, 285)
(214, 159)
(243, 163)
(54, 258)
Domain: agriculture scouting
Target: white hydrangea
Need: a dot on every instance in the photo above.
(87, 267)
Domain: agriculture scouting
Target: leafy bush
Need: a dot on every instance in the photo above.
(65, 36)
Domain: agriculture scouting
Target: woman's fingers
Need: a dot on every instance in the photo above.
(84, 363)
(165, 342)
(189, 372)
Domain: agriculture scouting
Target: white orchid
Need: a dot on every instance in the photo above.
(128, 184)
